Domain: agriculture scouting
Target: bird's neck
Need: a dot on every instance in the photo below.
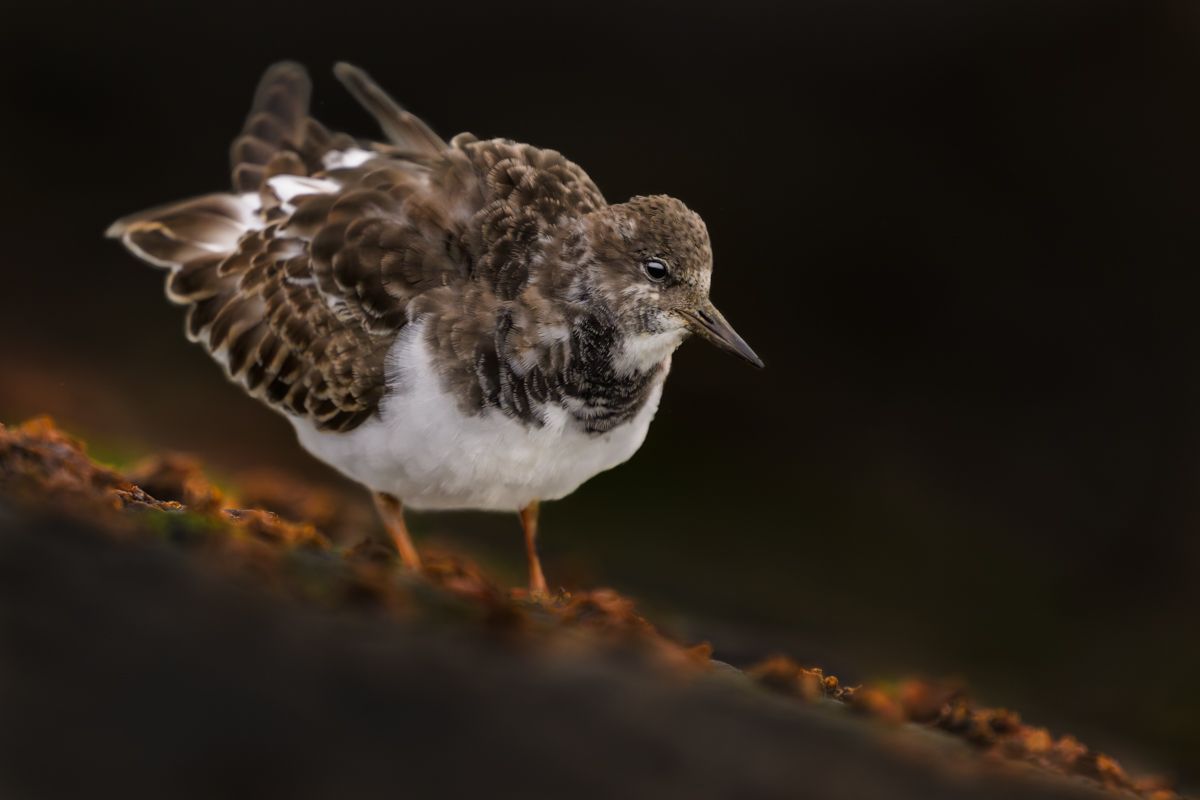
(641, 353)
(611, 374)
(606, 334)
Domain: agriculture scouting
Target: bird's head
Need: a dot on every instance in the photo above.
(650, 261)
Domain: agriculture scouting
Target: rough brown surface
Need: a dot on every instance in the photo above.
(162, 641)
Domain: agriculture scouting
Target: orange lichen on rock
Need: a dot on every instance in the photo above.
(179, 478)
(331, 511)
(808, 683)
(44, 468)
(945, 707)
(41, 465)
(609, 617)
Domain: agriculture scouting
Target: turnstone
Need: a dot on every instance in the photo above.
(461, 325)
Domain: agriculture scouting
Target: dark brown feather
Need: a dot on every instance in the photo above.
(276, 121)
(402, 129)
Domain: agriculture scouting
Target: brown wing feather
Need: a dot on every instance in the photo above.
(300, 295)
(406, 131)
(306, 335)
(275, 122)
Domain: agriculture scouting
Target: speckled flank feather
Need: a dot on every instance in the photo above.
(300, 280)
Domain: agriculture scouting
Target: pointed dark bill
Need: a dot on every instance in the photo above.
(709, 324)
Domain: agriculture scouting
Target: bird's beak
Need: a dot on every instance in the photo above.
(711, 325)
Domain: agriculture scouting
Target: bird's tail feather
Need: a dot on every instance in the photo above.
(402, 129)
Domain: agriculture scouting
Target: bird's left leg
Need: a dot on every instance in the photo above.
(392, 513)
(529, 521)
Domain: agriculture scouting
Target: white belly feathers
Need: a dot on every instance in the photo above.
(424, 450)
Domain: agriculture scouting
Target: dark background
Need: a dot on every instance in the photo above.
(961, 235)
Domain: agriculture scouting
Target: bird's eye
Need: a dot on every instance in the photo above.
(655, 269)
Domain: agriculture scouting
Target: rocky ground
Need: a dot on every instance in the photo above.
(160, 637)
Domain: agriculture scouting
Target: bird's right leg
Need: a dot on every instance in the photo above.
(529, 522)
(392, 514)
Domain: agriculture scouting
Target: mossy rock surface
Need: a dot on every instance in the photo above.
(160, 641)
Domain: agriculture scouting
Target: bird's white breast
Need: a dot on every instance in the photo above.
(426, 451)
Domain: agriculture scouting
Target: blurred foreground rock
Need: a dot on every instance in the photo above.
(155, 642)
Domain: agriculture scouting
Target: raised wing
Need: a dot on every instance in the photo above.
(284, 280)
(299, 282)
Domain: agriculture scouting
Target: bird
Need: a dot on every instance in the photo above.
(453, 325)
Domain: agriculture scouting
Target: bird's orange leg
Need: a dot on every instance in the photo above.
(529, 521)
(392, 514)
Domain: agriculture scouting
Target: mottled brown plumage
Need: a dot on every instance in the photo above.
(537, 301)
(304, 310)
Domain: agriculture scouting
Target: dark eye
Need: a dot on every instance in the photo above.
(655, 269)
